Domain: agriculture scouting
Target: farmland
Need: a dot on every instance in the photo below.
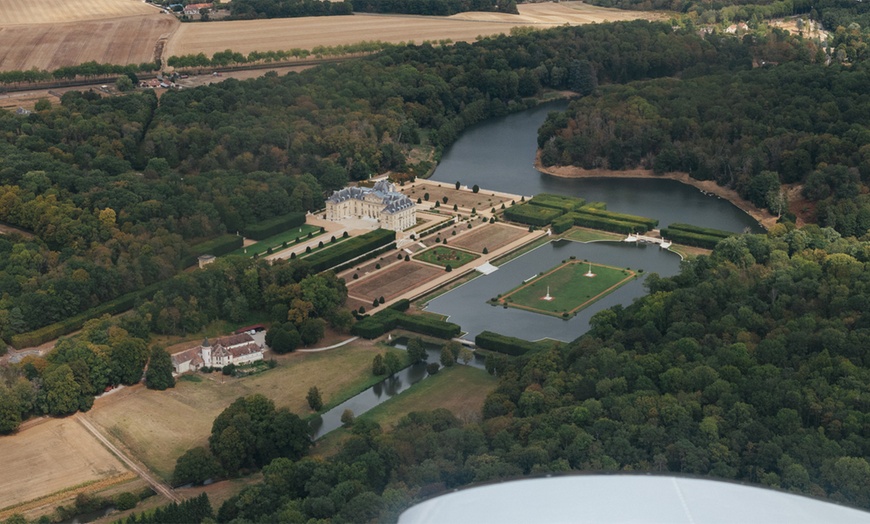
(50, 457)
(278, 34)
(48, 34)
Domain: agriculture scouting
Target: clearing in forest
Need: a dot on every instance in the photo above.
(566, 289)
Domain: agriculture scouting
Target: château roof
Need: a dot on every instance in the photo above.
(392, 200)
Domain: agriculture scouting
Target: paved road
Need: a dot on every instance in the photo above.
(158, 486)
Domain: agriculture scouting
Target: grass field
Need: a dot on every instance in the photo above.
(569, 288)
(444, 256)
(156, 427)
(276, 241)
(581, 234)
(50, 457)
(461, 389)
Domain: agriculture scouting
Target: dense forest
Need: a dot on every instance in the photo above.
(749, 365)
(753, 131)
(116, 190)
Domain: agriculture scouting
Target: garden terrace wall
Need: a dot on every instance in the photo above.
(273, 226)
(350, 249)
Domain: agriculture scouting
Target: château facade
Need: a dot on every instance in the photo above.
(390, 208)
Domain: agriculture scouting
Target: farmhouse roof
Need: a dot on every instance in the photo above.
(191, 355)
(233, 340)
(239, 351)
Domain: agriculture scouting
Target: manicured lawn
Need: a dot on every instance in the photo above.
(278, 240)
(590, 235)
(569, 288)
(444, 255)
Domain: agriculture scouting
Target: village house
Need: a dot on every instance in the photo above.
(193, 9)
(233, 349)
(390, 208)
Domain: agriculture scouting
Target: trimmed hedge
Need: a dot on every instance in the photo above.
(67, 326)
(648, 223)
(439, 227)
(273, 226)
(560, 202)
(504, 344)
(217, 246)
(617, 226)
(708, 231)
(350, 249)
(531, 214)
(563, 223)
(596, 205)
(390, 319)
(401, 305)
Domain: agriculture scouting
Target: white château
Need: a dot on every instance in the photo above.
(383, 203)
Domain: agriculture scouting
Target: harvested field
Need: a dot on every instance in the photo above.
(127, 40)
(490, 236)
(156, 427)
(49, 457)
(16, 12)
(263, 35)
(393, 281)
(483, 201)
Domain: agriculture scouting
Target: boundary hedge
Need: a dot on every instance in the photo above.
(563, 223)
(67, 326)
(350, 249)
(273, 226)
(606, 224)
(390, 319)
(708, 231)
(217, 246)
(648, 223)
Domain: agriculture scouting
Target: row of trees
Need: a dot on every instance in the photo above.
(86, 70)
(232, 58)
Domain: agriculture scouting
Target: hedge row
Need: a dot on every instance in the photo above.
(390, 319)
(647, 223)
(350, 249)
(708, 231)
(617, 226)
(67, 326)
(217, 246)
(596, 205)
(505, 344)
(691, 239)
(561, 202)
(273, 226)
(563, 223)
(531, 214)
(400, 305)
